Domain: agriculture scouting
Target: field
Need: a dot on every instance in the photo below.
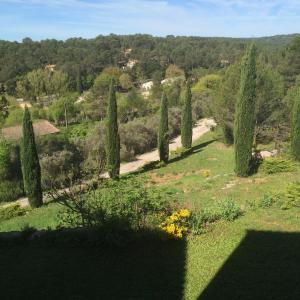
(255, 257)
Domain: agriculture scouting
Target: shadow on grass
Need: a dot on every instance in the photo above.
(266, 265)
(156, 164)
(53, 266)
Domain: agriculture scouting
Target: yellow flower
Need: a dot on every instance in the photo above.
(174, 217)
(184, 213)
(170, 228)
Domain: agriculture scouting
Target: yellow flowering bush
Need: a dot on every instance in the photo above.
(177, 224)
(205, 173)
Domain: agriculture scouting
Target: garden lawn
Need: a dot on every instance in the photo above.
(255, 257)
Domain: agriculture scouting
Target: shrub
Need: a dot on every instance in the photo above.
(10, 190)
(229, 210)
(59, 168)
(11, 211)
(60, 161)
(277, 165)
(291, 196)
(180, 152)
(224, 210)
(267, 200)
(5, 149)
(124, 205)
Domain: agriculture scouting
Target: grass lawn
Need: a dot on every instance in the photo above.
(255, 257)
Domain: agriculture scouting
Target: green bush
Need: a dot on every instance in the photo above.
(224, 210)
(10, 190)
(277, 165)
(125, 204)
(291, 197)
(181, 152)
(11, 211)
(267, 200)
(229, 210)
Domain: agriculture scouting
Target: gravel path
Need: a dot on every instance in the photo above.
(201, 127)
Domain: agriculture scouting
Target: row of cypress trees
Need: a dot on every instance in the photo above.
(113, 139)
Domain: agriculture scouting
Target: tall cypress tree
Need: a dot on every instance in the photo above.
(163, 132)
(295, 141)
(186, 119)
(245, 114)
(30, 163)
(112, 135)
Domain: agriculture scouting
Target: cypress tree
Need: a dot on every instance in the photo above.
(163, 132)
(295, 138)
(112, 135)
(30, 163)
(186, 119)
(245, 114)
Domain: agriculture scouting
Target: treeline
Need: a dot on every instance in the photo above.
(83, 59)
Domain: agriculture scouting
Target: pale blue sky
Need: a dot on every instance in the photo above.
(61, 19)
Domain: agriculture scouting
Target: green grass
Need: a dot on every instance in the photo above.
(251, 264)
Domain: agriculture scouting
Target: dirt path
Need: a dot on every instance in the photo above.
(201, 127)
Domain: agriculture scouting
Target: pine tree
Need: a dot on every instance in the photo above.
(163, 133)
(245, 114)
(112, 135)
(295, 141)
(186, 119)
(30, 163)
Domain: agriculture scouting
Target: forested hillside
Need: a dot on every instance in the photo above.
(86, 58)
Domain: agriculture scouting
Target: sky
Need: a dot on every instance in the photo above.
(62, 19)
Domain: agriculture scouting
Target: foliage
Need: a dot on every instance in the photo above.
(121, 205)
(174, 71)
(3, 108)
(226, 210)
(15, 116)
(93, 150)
(244, 115)
(291, 196)
(59, 168)
(163, 131)
(63, 110)
(225, 101)
(277, 165)
(5, 149)
(30, 164)
(270, 109)
(206, 83)
(10, 190)
(267, 200)
(9, 160)
(131, 106)
(177, 224)
(112, 135)
(11, 211)
(181, 152)
(42, 82)
(126, 81)
(101, 84)
(186, 121)
(295, 136)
